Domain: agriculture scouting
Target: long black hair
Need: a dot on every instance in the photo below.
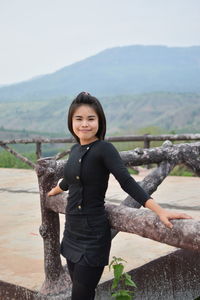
(85, 98)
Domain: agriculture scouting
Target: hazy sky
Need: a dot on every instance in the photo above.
(41, 36)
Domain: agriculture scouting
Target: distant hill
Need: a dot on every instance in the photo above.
(125, 114)
(117, 71)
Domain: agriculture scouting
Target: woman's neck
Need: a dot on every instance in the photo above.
(86, 142)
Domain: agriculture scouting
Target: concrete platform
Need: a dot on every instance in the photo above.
(21, 247)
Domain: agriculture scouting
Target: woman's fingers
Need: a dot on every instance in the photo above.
(50, 193)
(170, 216)
(182, 216)
(166, 221)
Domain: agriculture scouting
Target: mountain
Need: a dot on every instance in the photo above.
(125, 114)
(116, 71)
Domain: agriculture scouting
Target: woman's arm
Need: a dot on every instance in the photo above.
(114, 163)
(61, 187)
(163, 214)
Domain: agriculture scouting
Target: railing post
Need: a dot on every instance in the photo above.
(146, 141)
(147, 146)
(38, 150)
(56, 279)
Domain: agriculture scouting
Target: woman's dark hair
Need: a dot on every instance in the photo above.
(85, 98)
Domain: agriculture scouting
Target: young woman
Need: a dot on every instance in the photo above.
(87, 239)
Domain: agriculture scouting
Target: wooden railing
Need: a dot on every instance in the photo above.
(146, 139)
(127, 217)
(175, 276)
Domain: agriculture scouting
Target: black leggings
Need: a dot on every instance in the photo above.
(84, 280)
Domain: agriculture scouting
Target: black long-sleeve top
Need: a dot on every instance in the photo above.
(86, 175)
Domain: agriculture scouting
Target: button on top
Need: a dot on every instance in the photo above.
(77, 177)
(79, 207)
(88, 148)
(79, 160)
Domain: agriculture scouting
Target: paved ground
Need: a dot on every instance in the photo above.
(21, 247)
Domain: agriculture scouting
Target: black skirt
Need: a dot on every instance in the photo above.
(87, 238)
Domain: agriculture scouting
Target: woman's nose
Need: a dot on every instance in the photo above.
(84, 123)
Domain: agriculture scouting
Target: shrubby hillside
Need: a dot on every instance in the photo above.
(126, 114)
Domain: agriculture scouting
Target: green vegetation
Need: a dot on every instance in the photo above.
(121, 281)
(182, 170)
(7, 160)
(153, 113)
(133, 171)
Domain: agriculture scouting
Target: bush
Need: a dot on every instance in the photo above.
(8, 160)
(182, 170)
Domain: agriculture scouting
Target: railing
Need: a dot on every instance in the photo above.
(146, 139)
(125, 217)
(175, 276)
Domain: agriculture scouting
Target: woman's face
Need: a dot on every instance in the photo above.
(85, 124)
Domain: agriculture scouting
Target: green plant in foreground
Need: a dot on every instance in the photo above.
(121, 281)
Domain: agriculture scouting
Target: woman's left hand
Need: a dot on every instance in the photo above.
(165, 216)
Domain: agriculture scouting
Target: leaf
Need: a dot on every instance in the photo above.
(122, 295)
(118, 270)
(115, 261)
(118, 259)
(128, 280)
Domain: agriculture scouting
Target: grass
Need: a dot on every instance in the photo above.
(182, 170)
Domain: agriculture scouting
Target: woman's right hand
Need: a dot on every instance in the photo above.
(51, 192)
(54, 191)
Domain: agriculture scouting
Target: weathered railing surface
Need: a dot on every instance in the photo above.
(175, 276)
(146, 138)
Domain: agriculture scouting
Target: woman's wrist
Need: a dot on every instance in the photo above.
(152, 205)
